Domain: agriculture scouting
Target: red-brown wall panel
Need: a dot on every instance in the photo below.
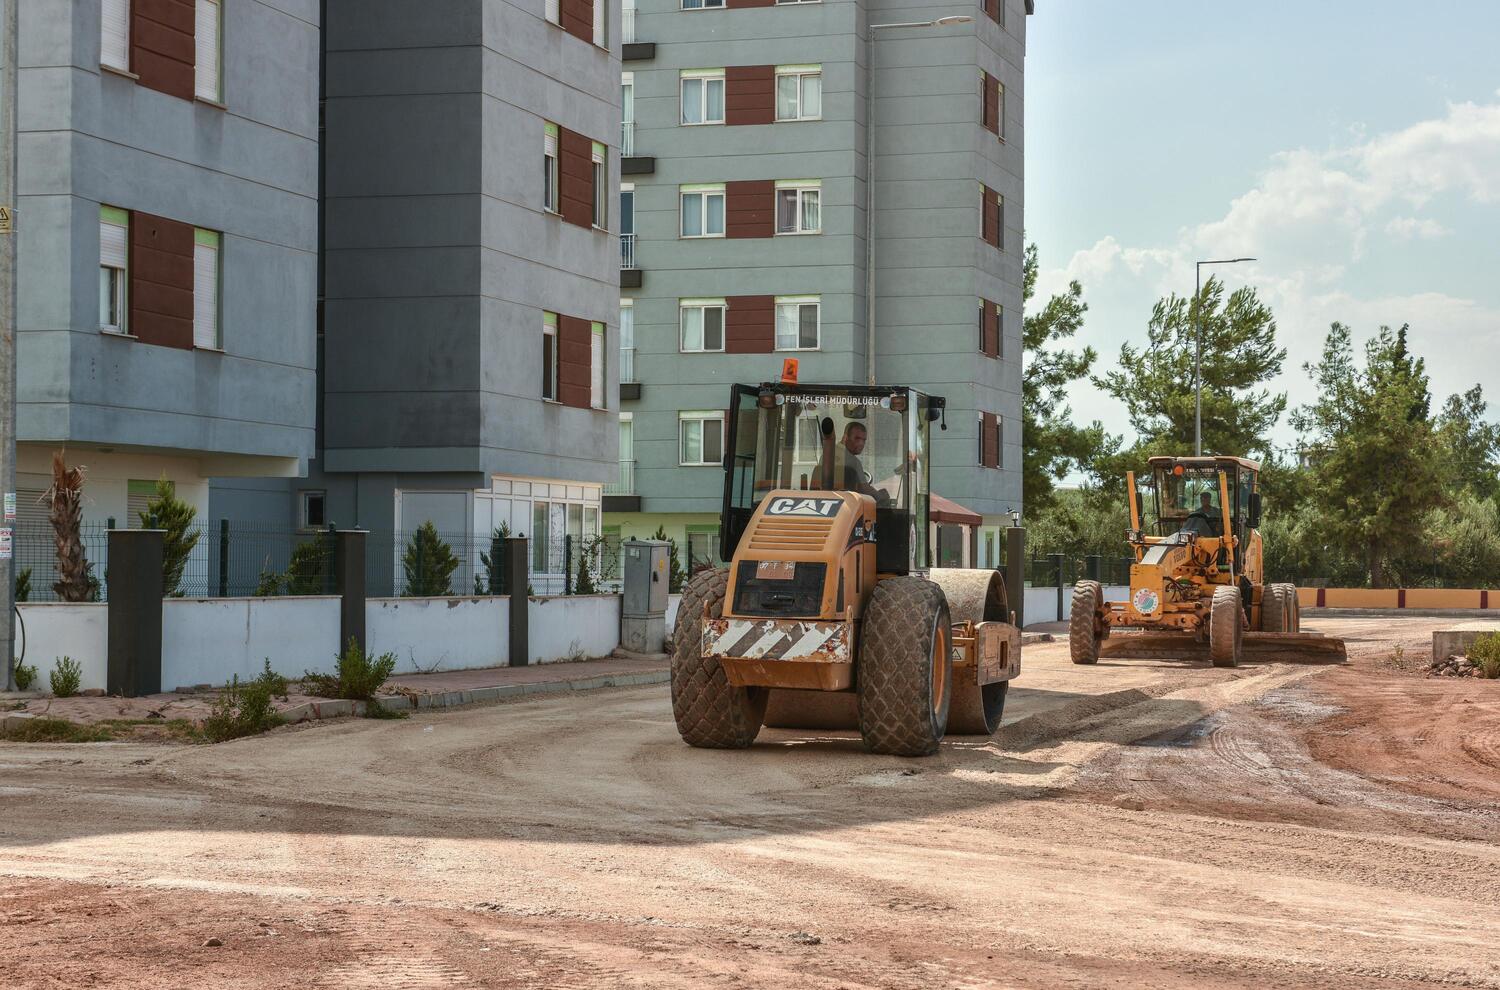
(575, 341)
(990, 228)
(990, 338)
(991, 104)
(991, 428)
(578, 18)
(161, 45)
(161, 280)
(575, 166)
(738, 4)
(750, 208)
(750, 325)
(750, 94)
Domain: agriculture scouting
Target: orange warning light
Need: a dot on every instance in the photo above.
(789, 371)
(1177, 469)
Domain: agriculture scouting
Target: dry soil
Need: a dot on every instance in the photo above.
(1135, 824)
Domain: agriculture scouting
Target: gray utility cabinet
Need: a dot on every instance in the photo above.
(643, 606)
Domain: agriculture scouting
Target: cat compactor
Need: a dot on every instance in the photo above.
(829, 614)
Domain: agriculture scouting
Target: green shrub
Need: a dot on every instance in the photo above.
(429, 564)
(493, 564)
(1486, 654)
(676, 574)
(165, 511)
(23, 584)
(66, 677)
(310, 571)
(359, 675)
(243, 709)
(25, 676)
(269, 584)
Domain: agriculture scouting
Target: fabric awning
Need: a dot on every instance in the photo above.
(942, 510)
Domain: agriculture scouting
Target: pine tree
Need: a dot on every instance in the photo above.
(167, 512)
(676, 574)
(310, 571)
(1377, 467)
(429, 564)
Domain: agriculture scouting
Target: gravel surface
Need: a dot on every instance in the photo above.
(1134, 824)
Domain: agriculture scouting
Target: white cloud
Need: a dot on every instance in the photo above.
(1310, 218)
(1412, 228)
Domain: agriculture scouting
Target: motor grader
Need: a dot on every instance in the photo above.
(1198, 579)
(829, 615)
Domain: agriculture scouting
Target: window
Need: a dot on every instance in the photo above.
(999, 221)
(1000, 108)
(627, 114)
(799, 92)
(206, 289)
(206, 29)
(701, 4)
(702, 325)
(554, 11)
(114, 35)
(314, 509)
(982, 432)
(796, 323)
(600, 38)
(809, 449)
(114, 233)
(999, 330)
(601, 187)
(549, 170)
(797, 209)
(703, 96)
(596, 367)
(702, 211)
(627, 340)
(701, 436)
(549, 357)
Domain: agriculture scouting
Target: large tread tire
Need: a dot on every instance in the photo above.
(1294, 609)
(1083, 623)
(710, 712)
(977, 708)
(1225, 627)
(895, 673)
(1273, 610)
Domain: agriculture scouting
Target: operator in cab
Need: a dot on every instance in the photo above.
(1207, 508)
(853, 477)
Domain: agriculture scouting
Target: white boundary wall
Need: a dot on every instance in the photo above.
(440, 633)
(564, 627)
(1041, 603)
(207, 641)
(59, 629)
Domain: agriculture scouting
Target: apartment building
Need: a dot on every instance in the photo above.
(470, 266)
(745, 212)
(167, 234)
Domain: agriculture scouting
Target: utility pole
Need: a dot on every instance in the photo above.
(8, 51)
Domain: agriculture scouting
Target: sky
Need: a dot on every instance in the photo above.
(1352, 146)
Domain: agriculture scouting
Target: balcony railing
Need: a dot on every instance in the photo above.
(627, 25)
(626, 484)
(627, 251)
(627, 365)
(627, 138)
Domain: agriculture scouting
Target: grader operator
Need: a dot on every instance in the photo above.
(830, 614)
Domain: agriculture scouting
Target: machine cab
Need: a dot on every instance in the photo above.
(1186, 496)
(873, 440)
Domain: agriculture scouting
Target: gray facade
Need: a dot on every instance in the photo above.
(243, 167)
(442, 262)
(933, 152)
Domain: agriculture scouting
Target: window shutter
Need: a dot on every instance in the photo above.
(114, 39)
(989, 339)
(206, 44)
(991, 108)
(205, 295)
(111, 245)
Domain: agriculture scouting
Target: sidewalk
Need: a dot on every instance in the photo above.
(440, 689)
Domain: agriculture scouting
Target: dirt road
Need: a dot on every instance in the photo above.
(1136, 824)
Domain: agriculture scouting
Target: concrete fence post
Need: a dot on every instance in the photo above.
(1015, 571)
(1057, 564)
(223, 558)
(516, 581)
(134, 581)
(349, 582)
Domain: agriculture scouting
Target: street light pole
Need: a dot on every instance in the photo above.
(1198, 349)
(8, 52)
(870, 175)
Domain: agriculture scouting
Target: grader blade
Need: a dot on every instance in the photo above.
(1181, 646)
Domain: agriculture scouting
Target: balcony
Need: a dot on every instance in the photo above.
(621, 497)
(630, 274)
(629, 387)
(627, 26)
(627, 138)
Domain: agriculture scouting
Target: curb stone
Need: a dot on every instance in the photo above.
(452, 699)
